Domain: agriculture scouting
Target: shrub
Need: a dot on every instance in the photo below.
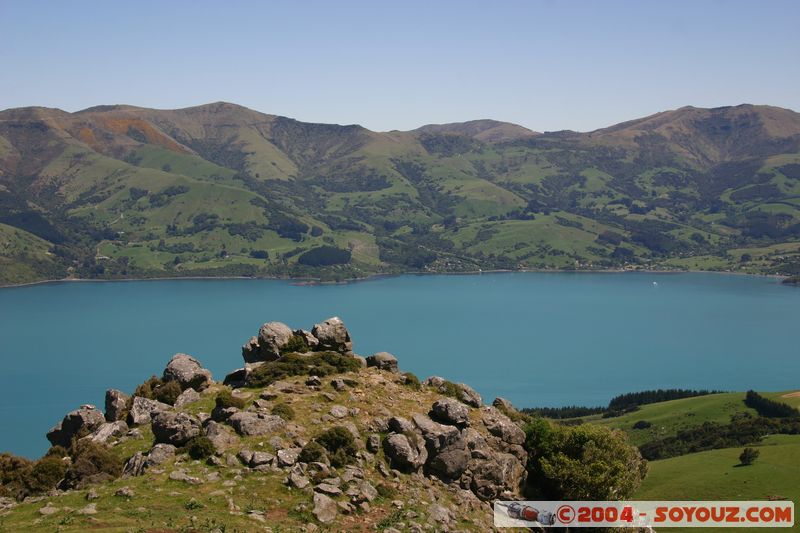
(91, 462)
(284, 411)
(226, 399)
(386, 491)
(200, 447)
(297, 344)
(167, 392)
(13, 471)
(748, 455)
(642, 424)
(313, 452)
(412, 381)
(340, 444)
(325, 256)
(45, 474)
(146, 389)
(584, 462)
(316, 364)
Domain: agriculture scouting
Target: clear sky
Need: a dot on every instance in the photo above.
(547, 65)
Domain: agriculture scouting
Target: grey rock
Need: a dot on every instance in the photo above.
(272, 337)
(501, 426)
(373, 443)
(134, 466)
(383, 361)
(404, 455)
(245, 456)
(338, 411)
(188, 372)
(310, 340)
(76, 423)
(288, 456)
(314, 381)
(180, 475)
(450, 411)
(139, 463)
(436, 435)
(327, 488)
(109, 430)
(333, 335)
(159, 454)
(175, 428)
(503, 404)
(325, 508)
(186, 397)
(143, 409)
(440, 514)
(261, 458)
(398, 424)
(466, 393)
(124, 492)
(220, 436)
(248, 423)
(501, 473)
(367, 491)
(250, 351)
(450, 462)
(338, 384)
(298, 480)
(116, 403)
(222, 414)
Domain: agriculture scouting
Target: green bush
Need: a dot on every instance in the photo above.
(585, 462)
(385, 491)
(45, 474)
(13, 471)
(313, 452)
(91, 462)
(748, 456)
(167, 392)
(146, 389)
(296, 344)
(316, 364)
(340, 444)
(200, 447)
(226, 399)
(642, 424)
(411, 381)
(284, 411)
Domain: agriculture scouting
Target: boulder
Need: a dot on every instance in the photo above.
(220, 436)
(436, 435)
(188, 372)
(312, 343)
(175, 428)
(77, 423)
(106, 431)
(116, 403)
(139, 463)
(248, 423)
(404, 454)
(398, 424)
(501, 473)
(142, 410)
(333, 335)
(450, 411)
(504, 405)
(373, 443)
(325, 508)
(469, 396)
(186, 397)
(465, 393)
(288, 456)
(272, 337)
(383, 361)
(501, 426)
(451, 461)
(261, 459)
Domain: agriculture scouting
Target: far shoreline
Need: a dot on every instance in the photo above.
(372, 277)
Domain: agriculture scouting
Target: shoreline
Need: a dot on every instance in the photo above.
(372, 277)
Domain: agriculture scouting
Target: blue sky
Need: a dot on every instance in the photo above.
(547, 65)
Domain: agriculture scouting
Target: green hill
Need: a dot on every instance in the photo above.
(219, 189)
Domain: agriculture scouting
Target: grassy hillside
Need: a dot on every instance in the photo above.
(219, 189)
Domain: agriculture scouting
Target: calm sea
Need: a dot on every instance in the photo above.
(538, 339)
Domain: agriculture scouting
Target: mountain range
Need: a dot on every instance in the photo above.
(221, 190)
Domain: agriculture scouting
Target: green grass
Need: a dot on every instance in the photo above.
(714, 475)
(670, 417)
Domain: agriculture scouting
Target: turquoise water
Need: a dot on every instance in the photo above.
(536, 339)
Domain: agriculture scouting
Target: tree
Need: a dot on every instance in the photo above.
(748, 455)
(584, 462)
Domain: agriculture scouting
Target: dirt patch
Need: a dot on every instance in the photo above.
(792, 395)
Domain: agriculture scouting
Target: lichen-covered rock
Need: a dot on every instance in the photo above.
(139, 463)
(248, 423)
(501, 426)
(186, 397)
(325, 508)
(175, 428)
(404, 454)
(333, 335)
(142, 410)
(502, 473)
(220, 436)
(115, 403)
(504, 405)
(272, 338)
(108, 430)
(188, 372)
(77, 423)
(450, 411)
(383, 361)
(398, 424)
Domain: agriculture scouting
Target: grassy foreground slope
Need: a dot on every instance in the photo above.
(219, 189)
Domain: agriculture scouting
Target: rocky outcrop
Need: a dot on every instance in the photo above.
(383, 361)
(139, 463)
(188, 372)
(248, 423)
(116, 404)
(333, 335)
(272, 338)
(76, 424)
(449, 411)
(404, 454)
(142, 410)
(466, 394)
(221, 437)
(174, 428)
